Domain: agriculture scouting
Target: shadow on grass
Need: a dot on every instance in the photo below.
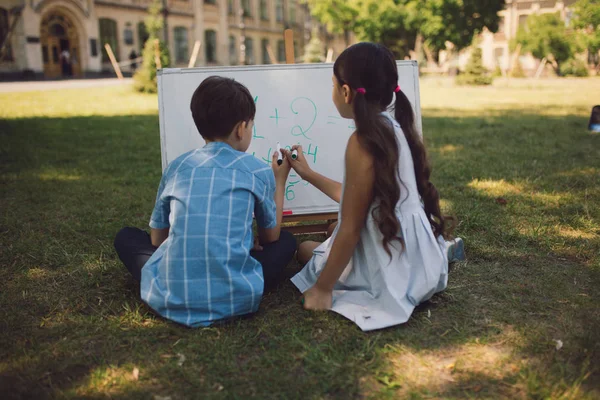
(72, 325)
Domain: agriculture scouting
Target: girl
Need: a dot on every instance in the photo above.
(387, 253)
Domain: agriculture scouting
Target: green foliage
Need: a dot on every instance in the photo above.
(396, 23)
(144, 80)
(475, 73)
(517, 71)
(456, 21)
(338, 16)
(313, 52)
(587, 20)
(546, 35)
(574, 67)
(497, 72)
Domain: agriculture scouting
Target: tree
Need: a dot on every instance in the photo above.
(546, 36)
(145, 78)
(313, 53)
(587, 20)
(455, 21)
(475, 73)
(338, 16)
(399, 24)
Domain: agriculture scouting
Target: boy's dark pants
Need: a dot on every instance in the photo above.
(134, 248)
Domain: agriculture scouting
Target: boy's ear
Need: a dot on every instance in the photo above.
(240, 130)
(347, 93)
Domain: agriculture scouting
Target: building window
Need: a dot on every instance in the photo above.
(279, 10)
(7, 52)
(292, 7)
(108, 34)
(57, 30)
(210, 38)
(499, 56)
(128, 36)
(501, 22)
(93, 48)
(548, 4)
(280, 51)
(247, 7)
(249, 51)
(265, 53)
(55, 55)
(264, 10)
(142, 35)
(522, 20)
(296, 48)
(230, 7)
(211, 2)
(233, 54)
(181, 44)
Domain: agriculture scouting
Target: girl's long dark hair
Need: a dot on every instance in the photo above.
(373, 67)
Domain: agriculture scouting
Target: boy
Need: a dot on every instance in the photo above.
(197, 266)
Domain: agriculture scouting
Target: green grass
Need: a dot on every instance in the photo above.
(78, 165)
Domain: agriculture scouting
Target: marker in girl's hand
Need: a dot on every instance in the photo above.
(279, 155)
(294, 154)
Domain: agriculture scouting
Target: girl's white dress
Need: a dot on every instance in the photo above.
(375, 291)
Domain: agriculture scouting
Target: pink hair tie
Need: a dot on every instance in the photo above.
(361, 90)
(397, 89)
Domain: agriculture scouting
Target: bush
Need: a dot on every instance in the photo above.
(473, 80)
(144, 79)
(574, 67)
(313, 52)
(475, 73)
(497, 72)
(517, 71)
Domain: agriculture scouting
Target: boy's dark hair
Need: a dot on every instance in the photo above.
(219, 104)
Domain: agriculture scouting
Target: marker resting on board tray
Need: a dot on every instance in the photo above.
(279, 155)
(294, 154)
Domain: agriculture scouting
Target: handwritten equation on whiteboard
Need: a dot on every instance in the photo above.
(294, 125)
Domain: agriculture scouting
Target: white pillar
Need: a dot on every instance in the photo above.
(199, 30)
(32, 57)
(223, 34)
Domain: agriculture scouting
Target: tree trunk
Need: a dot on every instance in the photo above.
(419, 48)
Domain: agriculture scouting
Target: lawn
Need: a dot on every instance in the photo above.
(513, 162)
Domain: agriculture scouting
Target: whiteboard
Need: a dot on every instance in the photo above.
(293, 106)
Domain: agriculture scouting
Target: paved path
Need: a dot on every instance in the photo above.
(9, 87)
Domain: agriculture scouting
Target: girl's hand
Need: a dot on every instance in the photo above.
(257, 246)
(281, 171)
(300, 164)
(316, 299)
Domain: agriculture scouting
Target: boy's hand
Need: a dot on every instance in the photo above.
(300, 164)
(281, 171)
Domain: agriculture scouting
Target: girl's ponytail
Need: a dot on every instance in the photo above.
(429, 194)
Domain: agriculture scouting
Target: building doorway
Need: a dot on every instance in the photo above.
(60, 46)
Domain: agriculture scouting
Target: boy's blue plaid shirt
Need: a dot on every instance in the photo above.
(203, 272)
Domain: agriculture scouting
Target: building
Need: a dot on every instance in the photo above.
(39, 32)
(496, 46)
